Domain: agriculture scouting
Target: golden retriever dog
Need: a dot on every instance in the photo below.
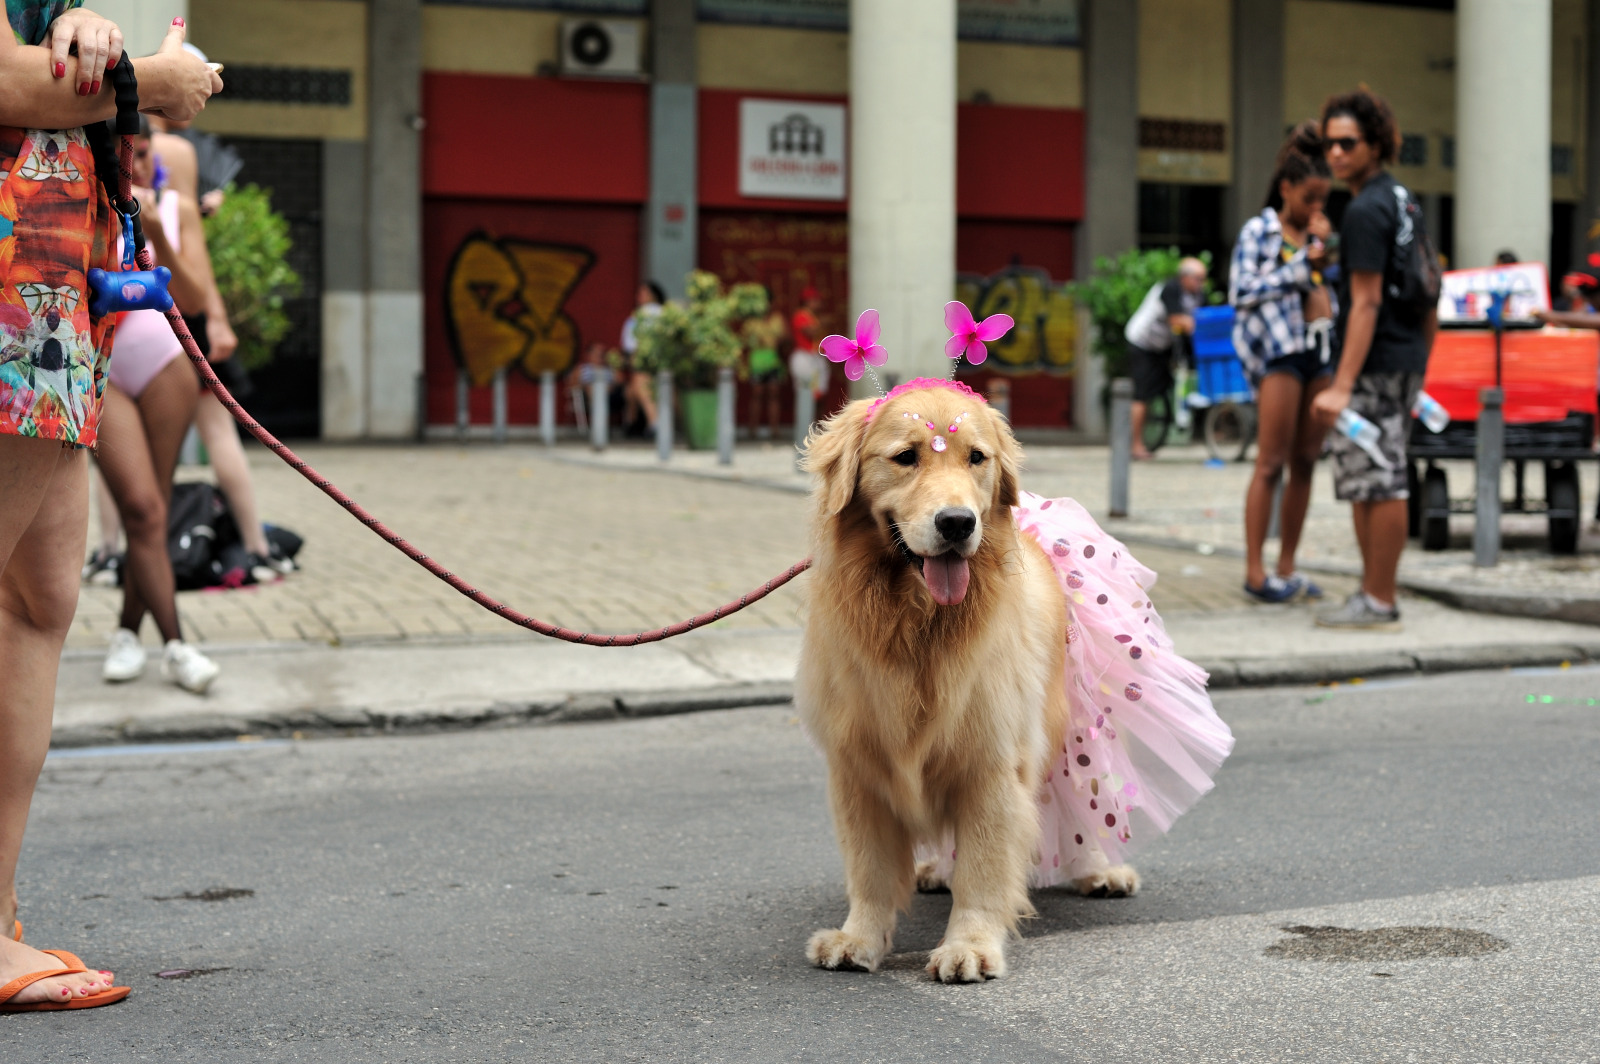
(931, 673)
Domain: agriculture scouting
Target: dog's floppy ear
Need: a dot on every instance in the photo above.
(1009, 458)
(833, 454)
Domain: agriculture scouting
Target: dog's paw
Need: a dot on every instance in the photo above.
(929, 881)
(1114, 881)
(966, 961)
(838, 951)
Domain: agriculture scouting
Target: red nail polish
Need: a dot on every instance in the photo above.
(179, 21)
(83, 90)
(61, 70)
(94, 90)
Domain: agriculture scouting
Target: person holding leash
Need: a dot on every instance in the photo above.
(56, 223)
(1275, 286)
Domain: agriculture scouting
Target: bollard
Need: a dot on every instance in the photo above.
(726, 406)
(500, 405)
(547, 408)
(191, 453)
(463, 415)
(1491, 454)
(599, 407)
(664, 412)
(1000, 396)
(1121, 443)
(805, 411)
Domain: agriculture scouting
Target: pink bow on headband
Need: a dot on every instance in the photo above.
(969, 336)
(857, 354)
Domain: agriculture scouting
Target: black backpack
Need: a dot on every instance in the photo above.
(1412, 281)
(199, 528)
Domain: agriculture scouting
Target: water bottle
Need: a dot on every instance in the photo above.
(1430, 412)
(1364, 433)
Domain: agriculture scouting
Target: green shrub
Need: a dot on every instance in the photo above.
(249, 245)
(1114, 290)
(696, 338)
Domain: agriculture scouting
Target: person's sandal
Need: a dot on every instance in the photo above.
(73, 967)
(16, 931)
(1274, 589)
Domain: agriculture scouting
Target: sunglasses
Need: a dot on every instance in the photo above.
(1344, 144)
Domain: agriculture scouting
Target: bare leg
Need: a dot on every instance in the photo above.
(138, 457)
(110, 522)
(43, 525)
(877, 871)
(1278, 407)
(221, 436)
(1380, 552)
(1138, 411)
(1302, 466)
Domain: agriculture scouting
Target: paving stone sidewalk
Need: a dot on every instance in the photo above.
(362, 639)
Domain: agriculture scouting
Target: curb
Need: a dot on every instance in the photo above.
(1226, 674)
(346, 721)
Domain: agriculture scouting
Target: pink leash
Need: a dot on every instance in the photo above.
(299, 465)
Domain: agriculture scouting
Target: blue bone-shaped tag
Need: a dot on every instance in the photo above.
(128, 290)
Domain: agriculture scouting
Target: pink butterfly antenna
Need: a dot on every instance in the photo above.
(859, 355)
(969, 337)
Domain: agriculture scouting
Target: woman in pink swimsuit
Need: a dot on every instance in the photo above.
(149, 406)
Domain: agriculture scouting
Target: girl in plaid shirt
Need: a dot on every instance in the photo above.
(1275, 286)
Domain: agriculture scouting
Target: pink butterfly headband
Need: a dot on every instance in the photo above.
(968, 337)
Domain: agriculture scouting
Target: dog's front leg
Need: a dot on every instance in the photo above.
(996, 829)
(877, 869)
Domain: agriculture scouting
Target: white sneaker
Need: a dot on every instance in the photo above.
(187, 667)
(125, 660)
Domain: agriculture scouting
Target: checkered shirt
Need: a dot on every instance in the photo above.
(1266, 293)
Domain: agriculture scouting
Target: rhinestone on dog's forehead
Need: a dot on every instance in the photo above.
(938, 443)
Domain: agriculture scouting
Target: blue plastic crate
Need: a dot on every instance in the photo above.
(1217, 367)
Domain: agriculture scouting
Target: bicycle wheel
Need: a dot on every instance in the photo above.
(1157, 421)
(1229, 429)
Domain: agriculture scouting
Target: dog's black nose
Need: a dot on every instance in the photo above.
(955, 523)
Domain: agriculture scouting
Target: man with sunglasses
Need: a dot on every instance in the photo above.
(1383, 353)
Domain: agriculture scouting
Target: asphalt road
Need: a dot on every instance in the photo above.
(643, 891)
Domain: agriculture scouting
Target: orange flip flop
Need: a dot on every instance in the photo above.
(73, 967)
(16, 932)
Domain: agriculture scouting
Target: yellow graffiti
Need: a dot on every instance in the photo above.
(504, 301)
(1046, 333)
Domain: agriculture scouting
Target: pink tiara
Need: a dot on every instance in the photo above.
(919, 383)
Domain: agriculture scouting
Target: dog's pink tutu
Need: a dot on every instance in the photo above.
(1143, 740)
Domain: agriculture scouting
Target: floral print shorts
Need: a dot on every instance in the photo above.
(55, 224)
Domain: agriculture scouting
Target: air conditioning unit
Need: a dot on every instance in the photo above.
(600, 48)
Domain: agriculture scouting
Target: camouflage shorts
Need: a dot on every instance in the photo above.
(1385, 399)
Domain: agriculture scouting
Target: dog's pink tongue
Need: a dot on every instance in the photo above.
(947, 577)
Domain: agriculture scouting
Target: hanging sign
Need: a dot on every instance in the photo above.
(791, 150)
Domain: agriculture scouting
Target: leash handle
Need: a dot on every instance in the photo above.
(126, 83)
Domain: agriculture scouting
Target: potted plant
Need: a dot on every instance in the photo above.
(695, 339)
(249, 244)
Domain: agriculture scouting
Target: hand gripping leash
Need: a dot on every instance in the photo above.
(129, 207)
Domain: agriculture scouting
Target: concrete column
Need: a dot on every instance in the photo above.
(902, 176)
(144, 23)
(671, 226)
(1589, 204)
(344, 289)
(1111, 113)
(1258, 118)
(394, 218)
(1502, 130)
